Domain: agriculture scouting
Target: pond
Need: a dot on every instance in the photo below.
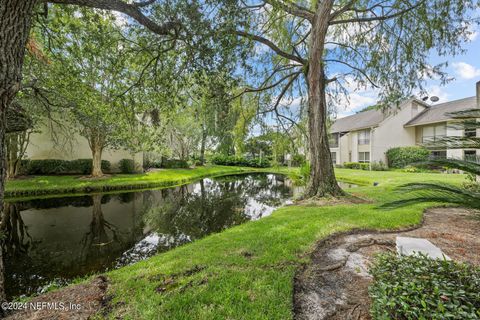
(50, 241)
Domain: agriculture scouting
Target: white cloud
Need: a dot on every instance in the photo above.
(465, 70)
(358, 97)
(473, 36)
(473, 33)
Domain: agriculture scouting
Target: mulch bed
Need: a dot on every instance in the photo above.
(334, 285)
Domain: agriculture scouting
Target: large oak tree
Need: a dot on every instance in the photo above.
(323, 44)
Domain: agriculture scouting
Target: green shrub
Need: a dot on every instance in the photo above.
(57, 166)
(305, 173)
(298, 160)
(42, 167)
(152, 164)
(174, 164)
(417, 287)
(356, 165)
(126, 166)
(239, 161)
(378, 166)
(403, 156)
(84, 166)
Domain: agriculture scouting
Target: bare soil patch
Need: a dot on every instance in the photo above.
(334, 285)
(85, 300)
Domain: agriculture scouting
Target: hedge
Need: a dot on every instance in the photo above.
(417, 287)
(356, 165)
(401, 157)
(126, 166)
(174, 164)
(239, 161)
(57, 166)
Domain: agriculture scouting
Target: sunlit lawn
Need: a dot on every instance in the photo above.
(246, 272)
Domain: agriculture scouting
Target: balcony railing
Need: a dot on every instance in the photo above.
(472, 158)
(363, 141)
(432, 139)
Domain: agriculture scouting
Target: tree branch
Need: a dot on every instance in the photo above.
(354, 68)
(377, 18)
(264, 88)
(293, 9)
(272, 46)
(132, 10)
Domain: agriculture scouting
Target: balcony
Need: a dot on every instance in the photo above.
(432, 139)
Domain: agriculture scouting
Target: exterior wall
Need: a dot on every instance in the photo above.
(392, 133)
(343, 149)
(337, 154)
(71, 146)
(353, 146)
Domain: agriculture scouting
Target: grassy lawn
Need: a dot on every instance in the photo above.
(49, 185)
(246, 272)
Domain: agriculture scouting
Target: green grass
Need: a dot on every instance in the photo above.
(64, 185)
(246, 272)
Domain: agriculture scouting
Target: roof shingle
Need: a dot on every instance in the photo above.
(361, 120)
(437, 113)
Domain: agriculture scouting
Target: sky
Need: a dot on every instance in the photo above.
(465, 69)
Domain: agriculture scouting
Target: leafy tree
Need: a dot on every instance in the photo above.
(189, 25)
(92, 69)
(469, 194)
(323, 45)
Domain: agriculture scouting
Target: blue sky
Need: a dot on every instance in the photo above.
(465, 69)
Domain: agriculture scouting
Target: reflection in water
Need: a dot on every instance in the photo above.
(59, 239)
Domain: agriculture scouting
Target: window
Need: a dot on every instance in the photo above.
(333, 141)
(434, 133)
(470, 130)
(364, 136)
(364, 157)
(334, 158)
(438, 154)
(470, 155)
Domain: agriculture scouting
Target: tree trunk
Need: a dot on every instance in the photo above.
(204, 141)
(322, 176)
(97, 161)
(15, 21)
(11, 144)
(16, 144)
(97, 143)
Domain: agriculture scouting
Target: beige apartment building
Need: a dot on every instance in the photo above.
(48, 143)
(366, 136)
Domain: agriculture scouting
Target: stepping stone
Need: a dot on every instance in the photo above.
(409, 246)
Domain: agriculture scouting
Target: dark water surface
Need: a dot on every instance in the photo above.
(54, 240)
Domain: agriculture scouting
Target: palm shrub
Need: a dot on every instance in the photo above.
(465, 195)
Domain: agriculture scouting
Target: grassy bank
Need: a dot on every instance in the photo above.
(246, 272)
(63, 185)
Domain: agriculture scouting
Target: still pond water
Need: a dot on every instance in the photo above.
(50, 241)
